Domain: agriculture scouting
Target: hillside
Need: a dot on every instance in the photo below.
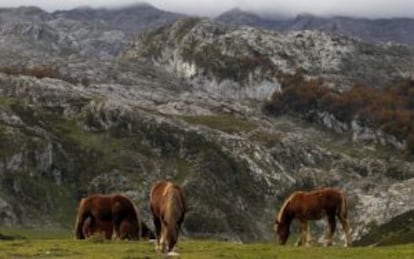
(185, 103)
(221, 57)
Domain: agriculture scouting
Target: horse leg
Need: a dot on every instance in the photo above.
(79, 225)
(302, 235)
(164, 237)
(331, 229)
(116, 227)
(87, 227)
(157, 225)
(345, 227)
(309, 238)
(124, 230)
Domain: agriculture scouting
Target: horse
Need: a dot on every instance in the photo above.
(168, 209)
(95, 227)
(314, 205)
(112, 214)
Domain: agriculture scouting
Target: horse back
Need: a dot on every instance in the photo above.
(122, 205)
(330, 198)
(105, 206)
(156, 197)
(315, 204)
(163, 194)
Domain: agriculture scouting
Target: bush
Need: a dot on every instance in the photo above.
(42, 72)
(390, 109)
(39, 72)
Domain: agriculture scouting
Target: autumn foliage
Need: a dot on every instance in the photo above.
(390, 109)
(43, 71)
(39, 71)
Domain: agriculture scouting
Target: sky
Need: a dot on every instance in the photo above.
(357, 8)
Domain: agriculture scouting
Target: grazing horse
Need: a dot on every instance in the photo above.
(108, 214)
(92, 227)
(313, 205)
(168, 209)
(95, 227)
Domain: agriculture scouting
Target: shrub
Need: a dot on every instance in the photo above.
(44, 71)
(390, 109)
(39, 71)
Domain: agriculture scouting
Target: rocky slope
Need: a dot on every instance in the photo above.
(136, 122)
(244, 61)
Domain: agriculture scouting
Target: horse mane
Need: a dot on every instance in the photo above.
(284, 206)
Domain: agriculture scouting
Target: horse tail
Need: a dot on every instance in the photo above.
(343, 212)
(174, 213)
(139, 222)
(80, 218)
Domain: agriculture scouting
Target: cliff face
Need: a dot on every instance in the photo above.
(168, 109)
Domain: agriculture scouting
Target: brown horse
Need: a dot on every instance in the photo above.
(313, 205)
(108, 214)
(168, 209)
(95, 227)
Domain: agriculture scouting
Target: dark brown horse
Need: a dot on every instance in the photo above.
(313, 205)
(95, 227)
(168, 209)
(112, 214)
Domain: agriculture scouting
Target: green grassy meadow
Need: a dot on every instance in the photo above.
(37, 244)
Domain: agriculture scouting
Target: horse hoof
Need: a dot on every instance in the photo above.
(172, 253)
(157, 248)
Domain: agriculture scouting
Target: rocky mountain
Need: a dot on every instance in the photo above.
(244, 61)
(395, 30)
(128, 19)
(184, 102)
(95, 33)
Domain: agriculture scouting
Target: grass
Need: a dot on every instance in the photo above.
(397, 231)
(224, 123)
(268, 139)
(37, 244)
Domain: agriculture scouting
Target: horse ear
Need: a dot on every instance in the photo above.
(277, 222)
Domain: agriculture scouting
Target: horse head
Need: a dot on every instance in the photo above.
(282, 231)
(283, 220)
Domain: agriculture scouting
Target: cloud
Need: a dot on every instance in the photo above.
(361, 8)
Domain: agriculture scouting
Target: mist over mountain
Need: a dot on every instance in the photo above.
(397, 30)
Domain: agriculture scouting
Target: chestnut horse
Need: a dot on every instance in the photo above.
(313, 205)
(168, 209)
(108, 214)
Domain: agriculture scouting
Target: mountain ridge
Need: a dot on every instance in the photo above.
(372, 30)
